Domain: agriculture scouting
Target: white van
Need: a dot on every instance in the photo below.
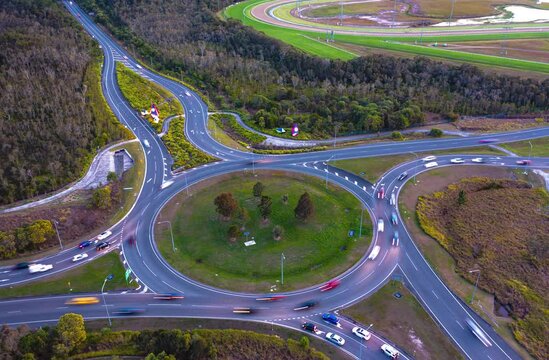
(380, 225)
(392, 200)
(146, 143)
(431, 164)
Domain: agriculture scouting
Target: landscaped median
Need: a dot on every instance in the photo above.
(240, 248)
(243, 136)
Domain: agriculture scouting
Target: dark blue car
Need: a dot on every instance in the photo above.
(84, 244)
(331, 318)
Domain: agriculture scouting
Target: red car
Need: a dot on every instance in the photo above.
(381, 193)
(487, 141)
(330, 285)
(524, 162)
(271, 298)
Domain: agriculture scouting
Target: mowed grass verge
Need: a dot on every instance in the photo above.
(82, 279)
(315, 250)
(404, 321)
(540, 147)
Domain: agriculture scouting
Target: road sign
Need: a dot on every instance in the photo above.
(128, 273)
(110, 277)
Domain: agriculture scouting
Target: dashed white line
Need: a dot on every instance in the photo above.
(461, 326)
(383, 258)
(409, 258)
(14, 312)
(434, 293)
(148, 181)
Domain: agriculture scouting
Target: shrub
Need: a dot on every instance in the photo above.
(435, 132)
(397, 135)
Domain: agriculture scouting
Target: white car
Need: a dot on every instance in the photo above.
(477, 160)
(79, 257)
(361, 333)
(336, 339)
(431, 164)
(457, 161)
(429, 158)
(374, 253)
(34, 268)
(104, 235)
(390, 351)
(187, 93)
(380, 225)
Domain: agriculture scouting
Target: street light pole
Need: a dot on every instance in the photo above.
(282, 257)
(105, 301)
(476, 283)
(186, 184)
(414, 171)
(362, 342)
(530, 153)
(57, 231)
(171, 232)
(361, 215)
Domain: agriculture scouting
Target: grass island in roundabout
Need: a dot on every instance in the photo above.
(211, 248)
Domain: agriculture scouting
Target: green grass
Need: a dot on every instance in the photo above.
(540, 147)
(401, 320)
(301, 39)
(315, 251)
(141, 93)
(374, 167)
(82, 279)
(222, 137)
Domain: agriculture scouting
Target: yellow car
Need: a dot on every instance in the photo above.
(83, 301)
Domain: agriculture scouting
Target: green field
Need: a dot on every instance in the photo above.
(83, 279)
(305, 40)
(315, 250)
(540, 147)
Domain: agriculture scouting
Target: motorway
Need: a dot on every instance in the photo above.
(154, 275)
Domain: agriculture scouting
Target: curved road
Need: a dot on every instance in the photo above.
(364, 278)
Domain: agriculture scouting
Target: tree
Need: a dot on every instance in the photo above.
(397, 135)
(264, 206)
(304, 342)
(71, 331)
(7, 245)
(233, 232)
(278, 231)
(258, 189)
(435, 132)
(462, 197)
(242, 215)
(226, 205)
(305, 207)
(39, 231)
(111, 176)
(101, 198)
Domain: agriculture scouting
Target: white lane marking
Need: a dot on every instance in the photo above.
(62, 307)
(434, 293)
(461, 326)
(147, 266)
(341, 292)
(164, 304)
(409, 258)
(383, 258)
(4, 280)
(14, 312)
(3, 272)
(367, 276)
(148, 181)
(209, 306)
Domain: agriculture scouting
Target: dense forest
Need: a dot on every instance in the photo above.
(240, 68)
(52, 113)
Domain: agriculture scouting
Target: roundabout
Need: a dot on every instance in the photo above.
(154, 275)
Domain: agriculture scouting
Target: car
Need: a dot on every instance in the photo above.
(361, 333)
(394, 218)
(306, 305)
(84, 244)
(79, 257)
(21, 266)
(330, 285)
(524, 162)
(477, 331)
(431, 164)
(129, 311)
(168, 296)
(131, 240)
(242, 310)
(381, 193)
(429, 158)
(457, 161)
(309, 327)
(187, 93)
(396, 239)
(374, 253)
(380, 225)
(104, 235)
(392, 199)
(477, 160)
(402, 176)
(34, 268)
(102, 245)
(487, 141)
(330, 318)
(336, 339)
(88, 300)
(390, 351)
(271, 298)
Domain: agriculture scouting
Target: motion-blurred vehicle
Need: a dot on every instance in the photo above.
(457, 161)
(380, 225)
(330, 318)
(35, 268)
(79, 257)
(84, 244)
(242, 310)
(381, 193)
(330, 285)
(524, 162)
(402, 176)
(104, 235)
(487, 141)
(374, 253)
(396, 239)
(361, 333)
(309, 327)
(187, 93)
(477, 160)
(306, 305)
(129, 311)
(102, 245)
(390, 351)
(429, 158)
(394, 218)
(431, 164)
(336, 339)
(131, 240)
(21, 266)
(168, 297)
(271, 298)
(88, 300)
(477, 331)
(392, 199)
